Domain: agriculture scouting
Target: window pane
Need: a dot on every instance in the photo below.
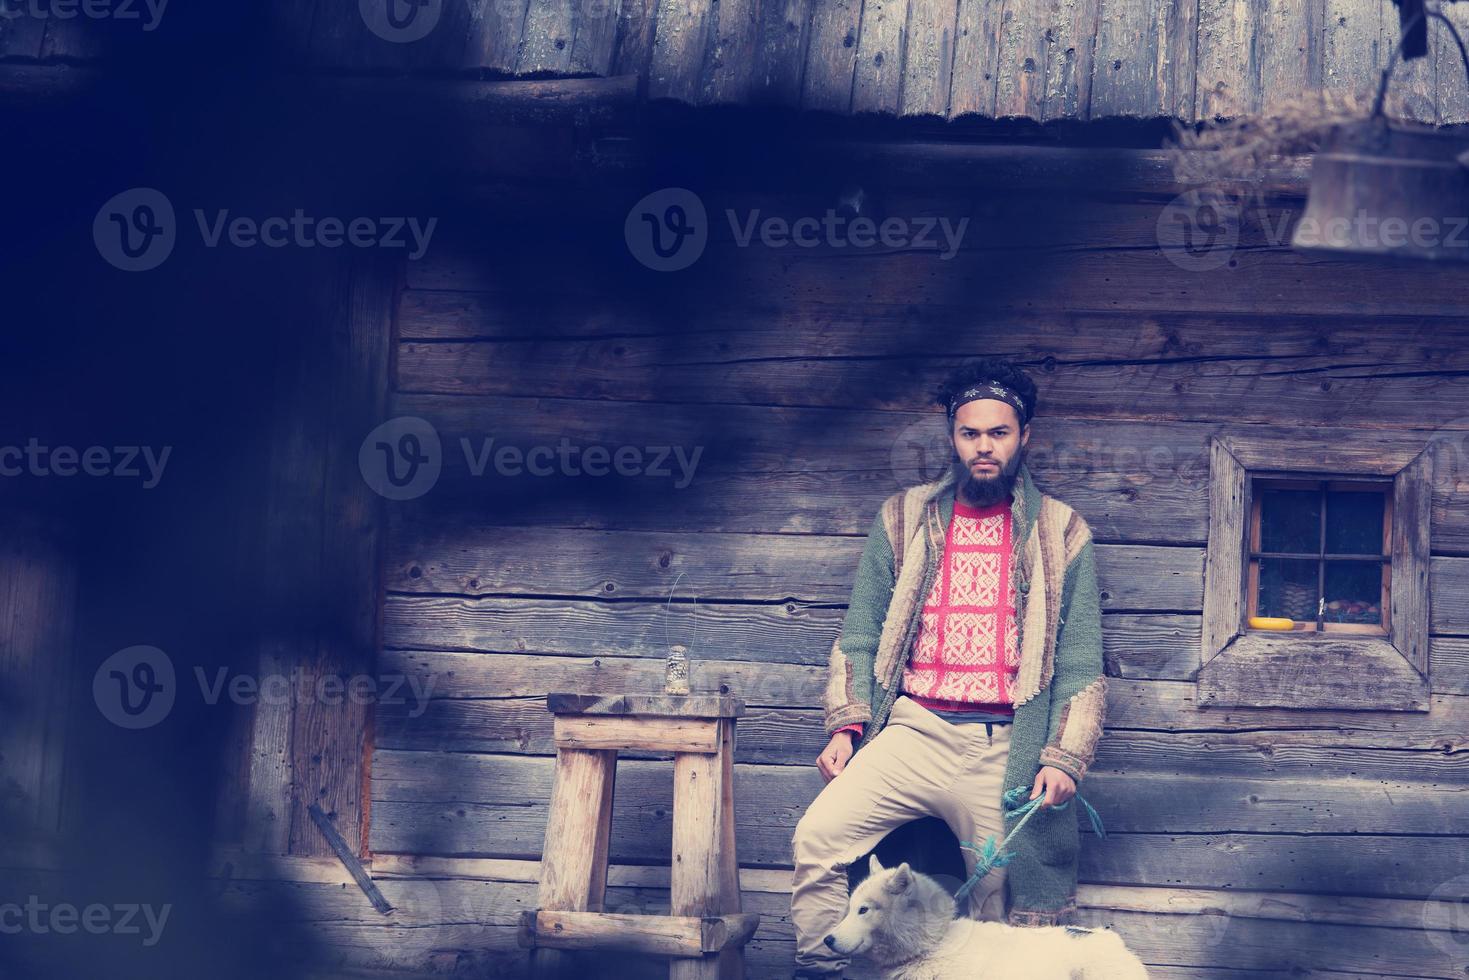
(1354, 522)
(1354, 592)
(1290, 520)
(1288, 588)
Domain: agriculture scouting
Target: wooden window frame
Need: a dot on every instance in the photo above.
(1323, 485)
(1247, 668)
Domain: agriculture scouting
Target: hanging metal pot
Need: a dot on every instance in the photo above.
(1383, 187)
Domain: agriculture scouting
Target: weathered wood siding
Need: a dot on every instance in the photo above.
(1241, 842)
(1061, 60)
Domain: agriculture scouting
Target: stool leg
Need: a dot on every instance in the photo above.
(695, 877)
(731, 961)
(578, 831)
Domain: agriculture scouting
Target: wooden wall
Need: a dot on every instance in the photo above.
(1242, 842)
(946, 59)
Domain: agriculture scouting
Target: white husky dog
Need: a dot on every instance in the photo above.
(903, 921)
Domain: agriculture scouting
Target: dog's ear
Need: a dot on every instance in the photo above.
(901, 879)
(873, 865)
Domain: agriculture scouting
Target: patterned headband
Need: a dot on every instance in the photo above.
(990, 389)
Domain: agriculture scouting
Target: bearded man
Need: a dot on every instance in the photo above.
(969, 664)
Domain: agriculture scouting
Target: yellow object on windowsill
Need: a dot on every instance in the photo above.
(1271, 623)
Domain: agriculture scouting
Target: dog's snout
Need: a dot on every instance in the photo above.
(831, 941)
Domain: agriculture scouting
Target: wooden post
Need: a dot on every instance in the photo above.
(698, 814)
(731, 960)
(573, 874)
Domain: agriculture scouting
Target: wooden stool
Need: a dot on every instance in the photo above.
(706, 932)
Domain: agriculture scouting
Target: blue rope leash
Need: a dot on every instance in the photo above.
(990, 855)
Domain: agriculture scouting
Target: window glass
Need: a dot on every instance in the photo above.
(1290, 520)
(1288, 588)
(1354, 523)
(1354, 592)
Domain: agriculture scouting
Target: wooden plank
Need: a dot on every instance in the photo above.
(564, 37)
(1321, 671)
(1227, 84)
(679, 47)
(575, 855)
(928, 68)
(636, 373)
(594, 45)
(646, 705)
(1124, 83)
(1278, 906)
(448, 805)
(831, 55)
(877, 85)
(1279, 948)
(785, 30)
(1288, 46)
(462, 892)
(330, 740)
(561, 37)
(658, 935)
(785, 728)
(547, 36)
(695, 873)
(1070, 56)
(1449, 664)
(1144, 60)
(731, 961)
(492, 35)
(442, 555)
(636, 27)
(1449, 603)
(1413, 93)
(1072, 265)
(1023, 56)
(288, 523)
(976, 59)
(1353, 53)
(1451, 77)
(651, 735)
(741, 480)
(348, 859)
(1411, 515)
(772, 632)
(734, 47)
(768, 633)
(579, 815)
(1147, 706)
(1176, 939)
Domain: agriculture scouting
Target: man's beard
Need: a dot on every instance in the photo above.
(984, 491)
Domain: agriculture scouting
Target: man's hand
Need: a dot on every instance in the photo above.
(1057, 786)
(833, 759)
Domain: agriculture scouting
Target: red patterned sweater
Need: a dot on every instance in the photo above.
(967, 651)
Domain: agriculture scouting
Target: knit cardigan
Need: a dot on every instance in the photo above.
(1060, 688)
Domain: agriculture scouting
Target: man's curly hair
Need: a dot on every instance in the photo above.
(989, 369)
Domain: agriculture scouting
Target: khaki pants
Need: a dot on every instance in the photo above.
(919, 765)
